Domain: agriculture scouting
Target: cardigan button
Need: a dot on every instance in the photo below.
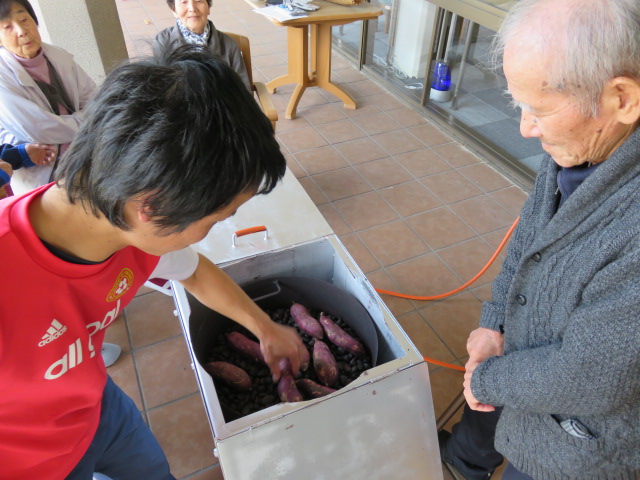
(536, 257)
(521, 299)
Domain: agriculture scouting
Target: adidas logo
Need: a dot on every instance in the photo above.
(55, 330)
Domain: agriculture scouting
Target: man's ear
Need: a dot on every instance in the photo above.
(143, 211)
(624, 93)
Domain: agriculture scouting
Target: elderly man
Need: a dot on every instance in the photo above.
(169, 147)
(556, 360)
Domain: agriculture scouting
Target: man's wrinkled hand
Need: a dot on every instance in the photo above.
(484, 343)
(472, 401)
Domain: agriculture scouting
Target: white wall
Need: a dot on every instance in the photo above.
(89, 29)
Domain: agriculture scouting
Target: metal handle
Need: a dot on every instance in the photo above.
(276, 284)
(247, 231)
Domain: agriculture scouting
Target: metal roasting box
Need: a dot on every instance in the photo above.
(380, 426)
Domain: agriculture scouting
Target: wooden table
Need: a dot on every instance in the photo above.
(315, 49)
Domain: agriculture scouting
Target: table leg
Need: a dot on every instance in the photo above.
(295, 50)
(323, 66)
(298, 68)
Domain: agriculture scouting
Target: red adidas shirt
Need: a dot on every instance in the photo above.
(52, 320)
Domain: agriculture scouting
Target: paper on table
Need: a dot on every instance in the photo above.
(277, 13)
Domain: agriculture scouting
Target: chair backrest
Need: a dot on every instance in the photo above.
(245, 49)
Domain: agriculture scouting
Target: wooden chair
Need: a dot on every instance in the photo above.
(258, 87)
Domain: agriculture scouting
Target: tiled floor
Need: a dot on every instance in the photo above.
(418, 212)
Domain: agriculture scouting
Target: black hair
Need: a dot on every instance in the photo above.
(172, 4)
(179, 129)
(5, 8)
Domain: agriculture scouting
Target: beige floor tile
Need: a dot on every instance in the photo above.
(376, 123)
(398, 142)
(333, 218)
(425, 338)
(283, 124)
(485, 177)
(385, 101)
(466, 259)
(165, 372)
(422, 162)
(343, 183)
(430, 135)
(446, 384)
(365, 211)
(117, 333)
(483, 214)
(302, 139)
(340, 131)
(407, 117)
(410, 198)
(362, 256)
(319, 114)
(383, 173)
(393, 242)
(124, 375)
(423, 276)
(440, 228)
(183, 432)
(453, 319)
(316, 195)
(456, 155)
(450, 186)
(294, 166)
(322, 159)
(360, 150)
(512, 199)
(150, 319)
(380, 279)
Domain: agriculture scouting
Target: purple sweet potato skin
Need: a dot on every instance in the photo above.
(245, 345)
(325, 364)
(287, 389)
(233, 376)
(340, 338)
(305, 321)
(311, 389)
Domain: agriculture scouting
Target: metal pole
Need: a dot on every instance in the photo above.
(463, 61)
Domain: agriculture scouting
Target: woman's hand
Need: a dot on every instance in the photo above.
(41, 154)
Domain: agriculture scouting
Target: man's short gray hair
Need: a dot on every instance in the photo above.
(599, 40)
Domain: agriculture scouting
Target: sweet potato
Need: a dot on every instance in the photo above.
(325, 364)
(311, 389)
(233, 376)
(245, 345)
(340, 338)
(287, 389)
(305, 321)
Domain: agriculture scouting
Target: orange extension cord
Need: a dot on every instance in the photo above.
(453, 292)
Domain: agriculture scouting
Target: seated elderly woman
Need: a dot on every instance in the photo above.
(43, 91)
(193, 27)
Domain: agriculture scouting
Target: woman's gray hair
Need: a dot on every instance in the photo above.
(598, 40)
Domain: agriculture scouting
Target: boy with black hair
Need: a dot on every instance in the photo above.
(169, 147)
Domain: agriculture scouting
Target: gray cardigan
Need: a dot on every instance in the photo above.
(219, 43)
(568, 299)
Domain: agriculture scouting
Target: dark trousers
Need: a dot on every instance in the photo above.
(471, 446)
(124, 447)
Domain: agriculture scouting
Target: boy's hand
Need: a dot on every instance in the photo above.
(5, 167)
(282, 348)
(41, 154)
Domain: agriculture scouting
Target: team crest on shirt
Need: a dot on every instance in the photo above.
(121, 286)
